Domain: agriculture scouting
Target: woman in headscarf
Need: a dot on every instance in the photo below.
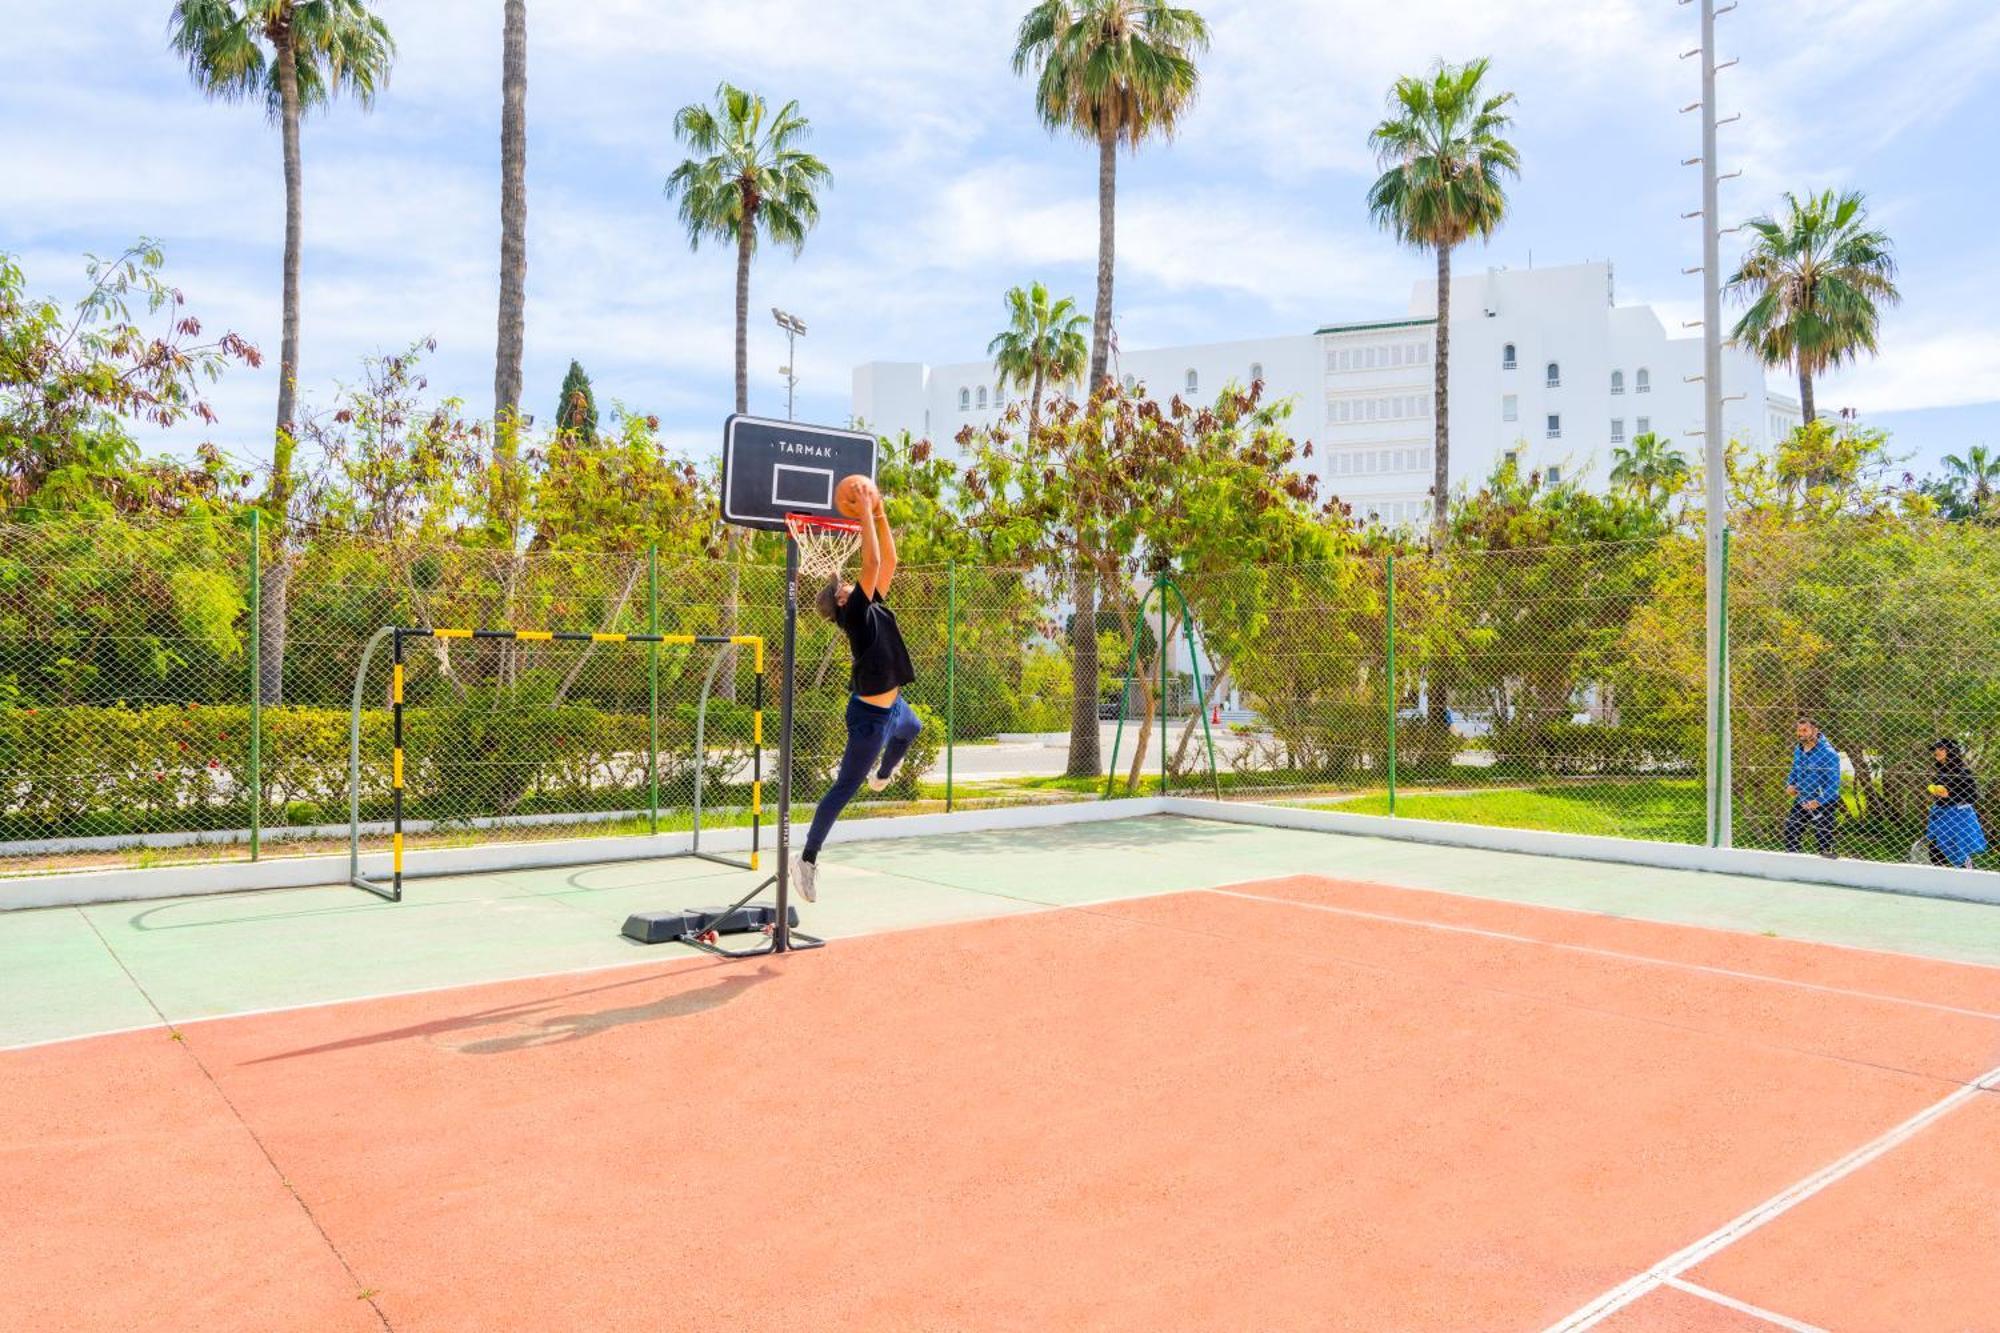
(1953, 827)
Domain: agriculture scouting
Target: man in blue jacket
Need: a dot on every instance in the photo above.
(1814, 787)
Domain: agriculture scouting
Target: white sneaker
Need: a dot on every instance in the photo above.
(804, 878)
(876, 782)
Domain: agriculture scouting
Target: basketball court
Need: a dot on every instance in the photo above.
(1146, 1073)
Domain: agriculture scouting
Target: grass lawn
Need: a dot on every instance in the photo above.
(1663, 809)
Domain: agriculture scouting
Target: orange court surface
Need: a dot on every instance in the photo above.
(1357, 1086)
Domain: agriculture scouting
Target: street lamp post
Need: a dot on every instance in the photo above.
(794, 327)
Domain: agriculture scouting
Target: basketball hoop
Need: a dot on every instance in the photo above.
(824, 543)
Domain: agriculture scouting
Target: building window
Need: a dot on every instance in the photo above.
(965, 400)
(1193, 382)
(982, 397)
(1507, 361)
(1256, 371)
(1555, 426)
(1618, 430)
(1618, 381)
(1130, 383)
(1510, 407)
(1643, 381)
(1645, 426)
(1555, 475)
(1555, 375)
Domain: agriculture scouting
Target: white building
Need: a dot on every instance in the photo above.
(1543, 362)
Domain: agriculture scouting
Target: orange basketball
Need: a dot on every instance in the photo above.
(851, 497)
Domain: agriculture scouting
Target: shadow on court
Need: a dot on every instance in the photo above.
(548, 1022)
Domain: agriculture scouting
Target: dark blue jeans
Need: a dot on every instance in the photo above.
(872, 732)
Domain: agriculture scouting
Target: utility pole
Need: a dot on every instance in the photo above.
(793, 327)
(1714, 443)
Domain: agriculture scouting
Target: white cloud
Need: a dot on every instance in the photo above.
(1949, 368)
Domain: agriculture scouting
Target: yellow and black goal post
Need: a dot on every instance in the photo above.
(520, 746)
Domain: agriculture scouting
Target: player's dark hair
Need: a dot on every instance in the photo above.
(827, 603)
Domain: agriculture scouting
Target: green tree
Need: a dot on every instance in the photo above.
(1109, 71)
(512, 331)
(750, 177)
(1814, 281)
(1444, 170)
(1976, 475)
(576, 413)
(294, 56)
(1650, 467)
(72, 382)
(1042, 343)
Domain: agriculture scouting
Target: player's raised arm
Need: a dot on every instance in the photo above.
(872, 579)
(885, 539)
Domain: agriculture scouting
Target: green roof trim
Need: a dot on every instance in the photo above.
(1376, 324)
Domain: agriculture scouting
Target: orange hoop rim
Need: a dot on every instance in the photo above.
(807, 522)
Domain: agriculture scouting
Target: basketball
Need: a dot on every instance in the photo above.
(851, 497)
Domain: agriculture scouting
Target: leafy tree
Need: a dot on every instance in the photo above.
(1108, 71)
(576, 414)
(1815, 280)
(749, 178)
(1043, 342)
(1976, 476)
(1652, 466)
(1444, 170)
(294, 56)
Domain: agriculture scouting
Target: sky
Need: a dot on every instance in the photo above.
(948, 190)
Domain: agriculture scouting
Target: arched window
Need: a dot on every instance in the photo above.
(965, 400)
(1507, 361)
(982, 397)
(1256, 371)
(1193, 381)
(1643, 381)
(1555, 375)
(1130, 383)
(1618, 381)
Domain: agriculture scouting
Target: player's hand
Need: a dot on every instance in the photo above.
(1809, 805)
(1790, 790)
(1937, 789)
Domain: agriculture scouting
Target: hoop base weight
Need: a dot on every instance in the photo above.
(686, 925)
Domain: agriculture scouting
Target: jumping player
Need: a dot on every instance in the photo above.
(880, 726)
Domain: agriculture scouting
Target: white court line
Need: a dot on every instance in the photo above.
(1674, 1265)
(1619, 954)
(1754, 1311)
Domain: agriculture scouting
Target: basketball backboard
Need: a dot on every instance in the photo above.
(774, 468)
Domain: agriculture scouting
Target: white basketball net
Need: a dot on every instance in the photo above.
(825, 544)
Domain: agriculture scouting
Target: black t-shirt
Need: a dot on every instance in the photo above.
(881, 662)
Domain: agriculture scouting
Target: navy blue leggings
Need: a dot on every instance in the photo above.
(872, 731)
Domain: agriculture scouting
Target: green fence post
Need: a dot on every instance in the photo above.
(1161, 649)
(256, 683)
(950, 673)
(653, 687)
(1391, 643)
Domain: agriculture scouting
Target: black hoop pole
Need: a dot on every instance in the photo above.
(781, 932)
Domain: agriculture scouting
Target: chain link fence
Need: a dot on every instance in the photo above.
(1556, 688)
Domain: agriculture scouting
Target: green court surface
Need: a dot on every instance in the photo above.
(73, 972)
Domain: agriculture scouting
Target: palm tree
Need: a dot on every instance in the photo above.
(1110, 70)
(293, 55)
(1979, 470)
(1651, 466)
(750, 175)
(1444, 167)
(1814, 280)
(1042, 342)
(513, 217)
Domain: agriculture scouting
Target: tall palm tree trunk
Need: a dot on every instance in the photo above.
(513, 217)
(1441, 404)
(731, 606)
(1107, 220)
(276, 595)
(1035, 403)
(1805, 396)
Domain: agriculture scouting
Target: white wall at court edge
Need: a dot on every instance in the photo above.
(1361, 392)
(95, 886)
